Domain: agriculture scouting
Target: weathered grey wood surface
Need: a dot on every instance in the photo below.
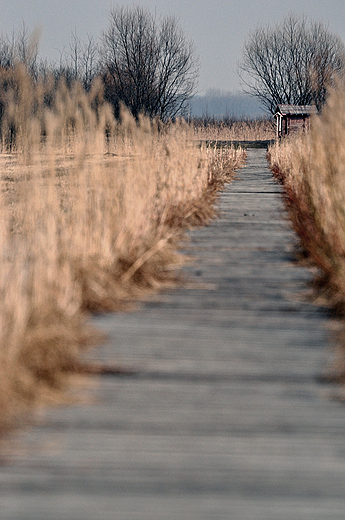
(225, 419)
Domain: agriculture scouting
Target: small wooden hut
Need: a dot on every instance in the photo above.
(293, 118)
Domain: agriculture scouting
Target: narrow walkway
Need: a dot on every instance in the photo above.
(226, 419)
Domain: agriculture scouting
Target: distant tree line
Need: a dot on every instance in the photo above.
(144, 63)
(218, 104)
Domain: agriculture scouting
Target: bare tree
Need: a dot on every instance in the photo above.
(81, 63)
(78, 62)
(7, 53)
(26, 48)
(147, 65)
(294, 63)
(21, 47)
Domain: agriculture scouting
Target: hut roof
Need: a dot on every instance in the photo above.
(296, 110)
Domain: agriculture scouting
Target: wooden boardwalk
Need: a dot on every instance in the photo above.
(225, 419)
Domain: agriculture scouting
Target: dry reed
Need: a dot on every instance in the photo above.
(91, 214)
(312, 169)
(233, 130)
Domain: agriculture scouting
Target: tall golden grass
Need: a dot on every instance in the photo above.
(91, 213)
(312, 169)
(233, 130)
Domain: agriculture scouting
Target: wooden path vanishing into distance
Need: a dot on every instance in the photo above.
(226, 418)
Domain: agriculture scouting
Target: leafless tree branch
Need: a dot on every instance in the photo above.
(147, 65)
(294, 63)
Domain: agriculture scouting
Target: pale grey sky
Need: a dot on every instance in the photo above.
(218, 27)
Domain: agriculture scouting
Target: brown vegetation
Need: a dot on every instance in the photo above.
(228, 129)
(312, 170)
(91, 214)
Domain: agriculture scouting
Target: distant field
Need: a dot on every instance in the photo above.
(228, 129)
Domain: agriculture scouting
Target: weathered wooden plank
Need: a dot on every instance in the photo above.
(225, 417)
